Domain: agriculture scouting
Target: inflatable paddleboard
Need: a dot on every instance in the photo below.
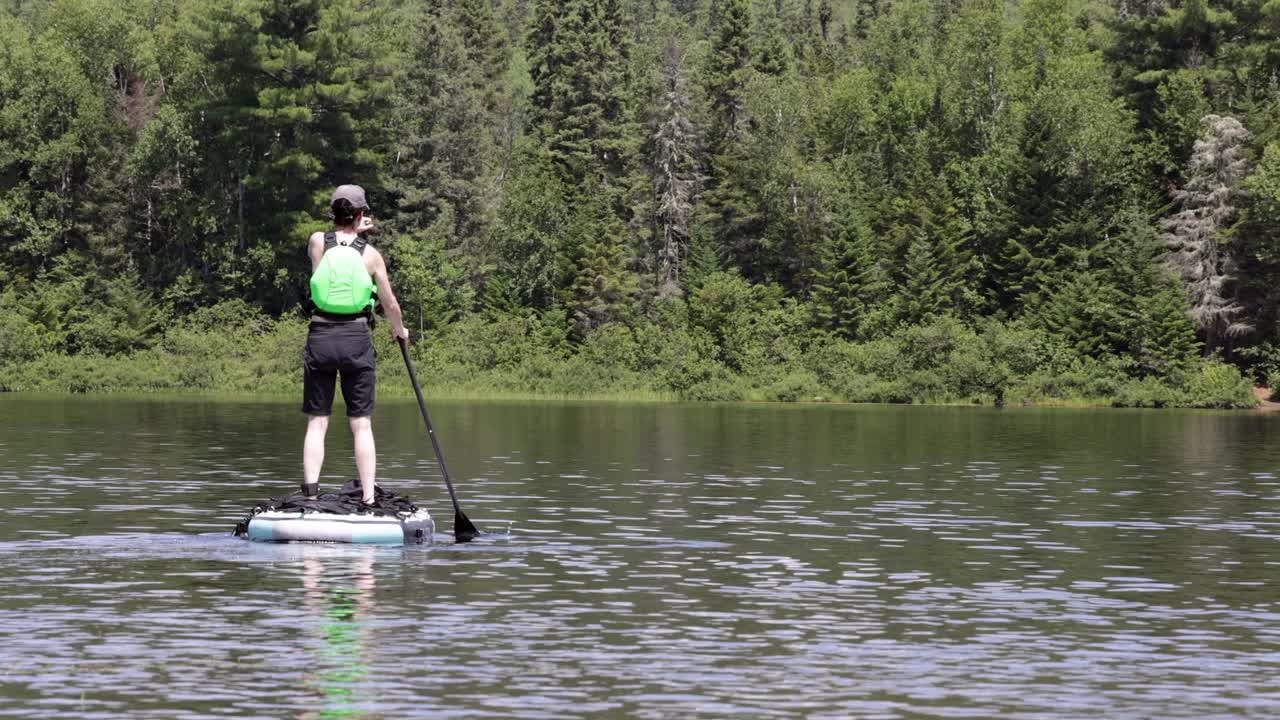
(339, 517)
(322, 527)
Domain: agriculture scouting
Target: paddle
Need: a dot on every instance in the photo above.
(463, 529)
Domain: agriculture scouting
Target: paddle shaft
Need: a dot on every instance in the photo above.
(463, 528)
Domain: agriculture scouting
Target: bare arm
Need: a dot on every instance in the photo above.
(378, 269)
(315, 249)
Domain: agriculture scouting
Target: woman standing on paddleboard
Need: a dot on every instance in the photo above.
(346, 273)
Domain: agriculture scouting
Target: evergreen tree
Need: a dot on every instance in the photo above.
(736, 211)
(1163, 342)
(602, 289)
(850, 286)
(296, 112)
(443, 149)
(930, 238)
(1071, 173)
(1149, 321)
(772, 54)
(484, 41)
(1084, 312)
(527, 242)
(578, 53)
(1029, 256)
(727, 70)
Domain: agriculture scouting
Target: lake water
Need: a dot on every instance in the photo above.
(662, 562)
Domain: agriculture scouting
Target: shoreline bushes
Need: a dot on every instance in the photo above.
(676, 355)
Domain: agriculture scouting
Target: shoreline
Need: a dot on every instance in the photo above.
(1264, 406)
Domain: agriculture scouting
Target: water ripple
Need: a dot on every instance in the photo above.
(662, 562)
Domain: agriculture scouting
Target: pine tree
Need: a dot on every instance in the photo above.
(926, 240)
(489, 59)
(850, 286)
(733, 204)
(1154, 328)
(936, 270)
(296, 112)
(578, 53)
(1029, 255)
(1084, 311)
(483, 39)
(923, 295)
(1163, 342)
(737, 211)
(772, 53)
(728, 69)
(602, 290)
(443, 151)
(1194, 235)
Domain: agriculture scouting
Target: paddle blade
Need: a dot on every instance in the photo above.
(463, 529)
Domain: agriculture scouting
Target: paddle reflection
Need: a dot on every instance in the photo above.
(339, 596)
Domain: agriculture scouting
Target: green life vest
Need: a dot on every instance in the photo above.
(341, 284)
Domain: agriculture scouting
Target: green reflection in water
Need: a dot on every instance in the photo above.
(343, 602)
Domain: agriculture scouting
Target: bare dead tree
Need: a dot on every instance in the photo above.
(675, 169)
(1193, 237)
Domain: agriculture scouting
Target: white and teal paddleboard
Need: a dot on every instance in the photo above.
(322, 527)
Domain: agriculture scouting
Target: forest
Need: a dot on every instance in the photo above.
(947, 201)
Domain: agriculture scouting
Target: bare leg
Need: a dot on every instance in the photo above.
(366, 455)
(313, 448)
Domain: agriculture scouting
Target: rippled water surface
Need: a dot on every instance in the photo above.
(662, 562)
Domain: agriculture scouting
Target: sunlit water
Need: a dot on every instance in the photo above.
(662, 562)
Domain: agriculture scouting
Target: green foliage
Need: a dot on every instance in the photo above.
(448, 92)
(1148, 392)
(728, 68)
(1086, 313)
(601, 288)
(430, 286)
(1219, 385)
(527, 239)
(21, 339)
(1181, 103)
(752, 328)
(850, 285)
(55, 135)
(943, 361)
(295, 108)
(796, 386)
(578, 53)
(232, 346)
(907, 201)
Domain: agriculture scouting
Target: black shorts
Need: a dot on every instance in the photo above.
(338, 349)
